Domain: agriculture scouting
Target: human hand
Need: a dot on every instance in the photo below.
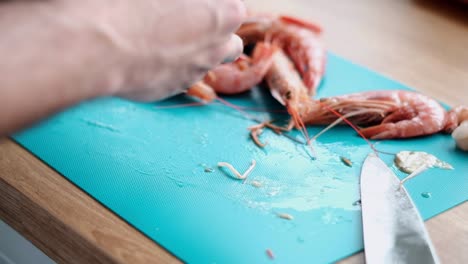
(162, 47)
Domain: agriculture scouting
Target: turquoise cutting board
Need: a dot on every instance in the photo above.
(151, 166)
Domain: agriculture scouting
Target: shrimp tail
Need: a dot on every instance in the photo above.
(202, 91)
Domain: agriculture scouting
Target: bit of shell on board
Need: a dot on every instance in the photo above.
(270, 253)
(256, 184)
(285, 216)
(346, 161)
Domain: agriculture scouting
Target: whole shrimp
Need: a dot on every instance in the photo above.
(236, 77)
(298, 38)
(386, 113)
(287, 87)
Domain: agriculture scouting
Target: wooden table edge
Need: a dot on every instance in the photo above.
(62, 220)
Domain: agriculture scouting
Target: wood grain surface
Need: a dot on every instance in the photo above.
(423, 44)
(61, 220)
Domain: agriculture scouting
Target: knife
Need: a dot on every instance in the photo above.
(394, 232)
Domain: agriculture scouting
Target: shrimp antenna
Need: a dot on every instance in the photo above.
(302, 128)
(350, 124)
(341, 118)
(237, 108)
(180, 105)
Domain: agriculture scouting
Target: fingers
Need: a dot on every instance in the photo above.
(212, 56)
(232, 49)
(202, 21)
(232, 13)
(183, 41)
(227, 52)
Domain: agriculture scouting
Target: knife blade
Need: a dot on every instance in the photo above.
(394, 231)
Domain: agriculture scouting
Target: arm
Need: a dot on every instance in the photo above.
(55, 54)
(42, 62)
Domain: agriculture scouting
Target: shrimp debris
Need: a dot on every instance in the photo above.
(410, 161)
(346, 161)
(255, 131)
(236, 172)
(270, 253)
(208, 170)
(416, 162)
(256, 184)
(285, 216)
